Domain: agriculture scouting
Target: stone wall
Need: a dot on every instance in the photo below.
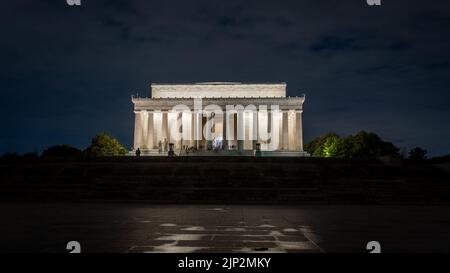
(224, 180)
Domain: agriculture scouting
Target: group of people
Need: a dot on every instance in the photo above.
(163, 146)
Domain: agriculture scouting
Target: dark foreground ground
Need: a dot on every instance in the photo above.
(213, 228)
(225, 180)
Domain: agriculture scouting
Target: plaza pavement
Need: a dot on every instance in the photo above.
(111, 227)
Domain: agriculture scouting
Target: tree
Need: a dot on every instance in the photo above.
(345, 147)
(360, 145)
(9, 156)
(105, 145)
(30, 156)
(370, 145)
(417, 154)
(62, 151)
(316, 146)
(332, 146)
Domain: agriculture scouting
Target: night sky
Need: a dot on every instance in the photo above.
(67, 73)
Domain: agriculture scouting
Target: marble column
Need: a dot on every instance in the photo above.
(173, 128)
(254, 125)
(144, 129)
(280, 130)
(275, 130)
(137, 130)
(209, 127)
(165, 126)
(263, 127)
(299, 125)
(198, 132)
(192, 142)
(157, 128)
(240, 127)
(186, 128)
(292, 138)
(179, 129)
(285, 134)
(150, 130)
(224, 130)
(248, 130)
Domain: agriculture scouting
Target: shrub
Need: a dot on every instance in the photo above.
(62, 151)
(105, 145)
(360, 145)
(417, 154)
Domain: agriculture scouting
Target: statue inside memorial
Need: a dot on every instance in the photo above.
(217, 143)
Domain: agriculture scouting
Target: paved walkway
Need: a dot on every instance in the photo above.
(214, 228)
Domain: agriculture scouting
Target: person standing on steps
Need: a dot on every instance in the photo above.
(160, 147)
(166, 145)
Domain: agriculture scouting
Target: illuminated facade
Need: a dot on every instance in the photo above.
(224, 116)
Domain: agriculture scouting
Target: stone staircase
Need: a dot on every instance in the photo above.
(217, 179)
(285, 154)
(148, 152)
(154, 152)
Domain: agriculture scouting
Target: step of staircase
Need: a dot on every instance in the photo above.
(225, 179)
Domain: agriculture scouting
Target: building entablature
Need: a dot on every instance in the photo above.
(284, 103)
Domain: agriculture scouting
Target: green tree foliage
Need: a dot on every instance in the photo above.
(105, 145)
(360, 145)
(331, 146)
(417, 154)
(62, 151)
(316, 146)
(370, 145)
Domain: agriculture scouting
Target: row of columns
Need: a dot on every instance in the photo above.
(154, 126)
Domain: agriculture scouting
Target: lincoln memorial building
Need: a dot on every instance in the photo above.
(224, 118)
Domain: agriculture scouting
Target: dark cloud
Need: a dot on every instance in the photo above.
(437, 65)
(68, 72)
(357, 42)
(334, 43)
